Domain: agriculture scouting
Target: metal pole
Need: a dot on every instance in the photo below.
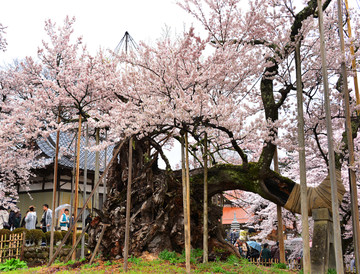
(54, 188)
(302, 162)
(76, 202)
(188, 231)
(352, 176)
(84, 191)
(279, 216)
(128, 205)
(334, 200)
(206, 218)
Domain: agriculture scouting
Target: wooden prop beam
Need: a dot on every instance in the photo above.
(302, 163)
(334, 200)
(77, 242)
(206, 217)
(98, 243)
(56, 164)
(85, 204)
(128, 207)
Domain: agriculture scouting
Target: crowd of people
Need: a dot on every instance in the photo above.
(253, 250)
(12, 219)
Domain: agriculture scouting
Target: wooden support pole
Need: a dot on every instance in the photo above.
(52, 229)
(104, 181)
(97, 169)
(352, 176)
(188, 231)
(128, 207)
(206, 217)
(84, 191)
(76, 192)
(279, 216)
(353, 61)
(85, 204)
(98, 243)
(77, 242)
(185, 208)
(302, 162)
(334, 200)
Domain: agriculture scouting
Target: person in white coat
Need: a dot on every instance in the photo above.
(4, 217)
(31, 218)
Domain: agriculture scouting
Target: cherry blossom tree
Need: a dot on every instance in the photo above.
(237, 84)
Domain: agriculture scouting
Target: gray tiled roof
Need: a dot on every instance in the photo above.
(67, 141)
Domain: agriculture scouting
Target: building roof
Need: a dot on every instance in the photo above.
(228, 215)
(67, 143)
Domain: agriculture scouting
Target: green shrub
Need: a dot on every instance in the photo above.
(168, 255)
(279, 266)
(12, 264)
(35, 235)
(5, 232)
(134, 260)
(57, 236)
(20, 230)
(233, 259)
(331, 271)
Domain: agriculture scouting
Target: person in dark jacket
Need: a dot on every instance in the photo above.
(275, 252)
(265, 254)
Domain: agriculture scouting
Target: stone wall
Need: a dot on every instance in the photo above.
(39, 255)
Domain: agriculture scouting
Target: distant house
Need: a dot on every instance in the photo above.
(41, 185)
(232, 213)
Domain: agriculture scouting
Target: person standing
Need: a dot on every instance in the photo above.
(65, 220)
(31, 218)
(265, 254)
(4, 218)
(46, 218)
(275, 253)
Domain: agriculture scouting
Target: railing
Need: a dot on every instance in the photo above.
(11, 246)
(291, 264)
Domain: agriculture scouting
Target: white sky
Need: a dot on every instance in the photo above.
(100, 23)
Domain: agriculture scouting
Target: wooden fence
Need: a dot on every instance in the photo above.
(292, 264)
(11, 246)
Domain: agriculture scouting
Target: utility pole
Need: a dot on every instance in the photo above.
(334, 199)
(302, 160)
(352, 176)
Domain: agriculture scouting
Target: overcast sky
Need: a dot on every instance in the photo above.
(101, 23)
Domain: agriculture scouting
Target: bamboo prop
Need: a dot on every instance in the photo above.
(128, 205)
(206, 217)
(352, 175)
(76, 202)
(334, 200)
(188, 231)
(84, 190)
(54, 188)
(77, 242)
(85, 204)
(353, 61)
(279, 215)
(98, 243)
(302, 163)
